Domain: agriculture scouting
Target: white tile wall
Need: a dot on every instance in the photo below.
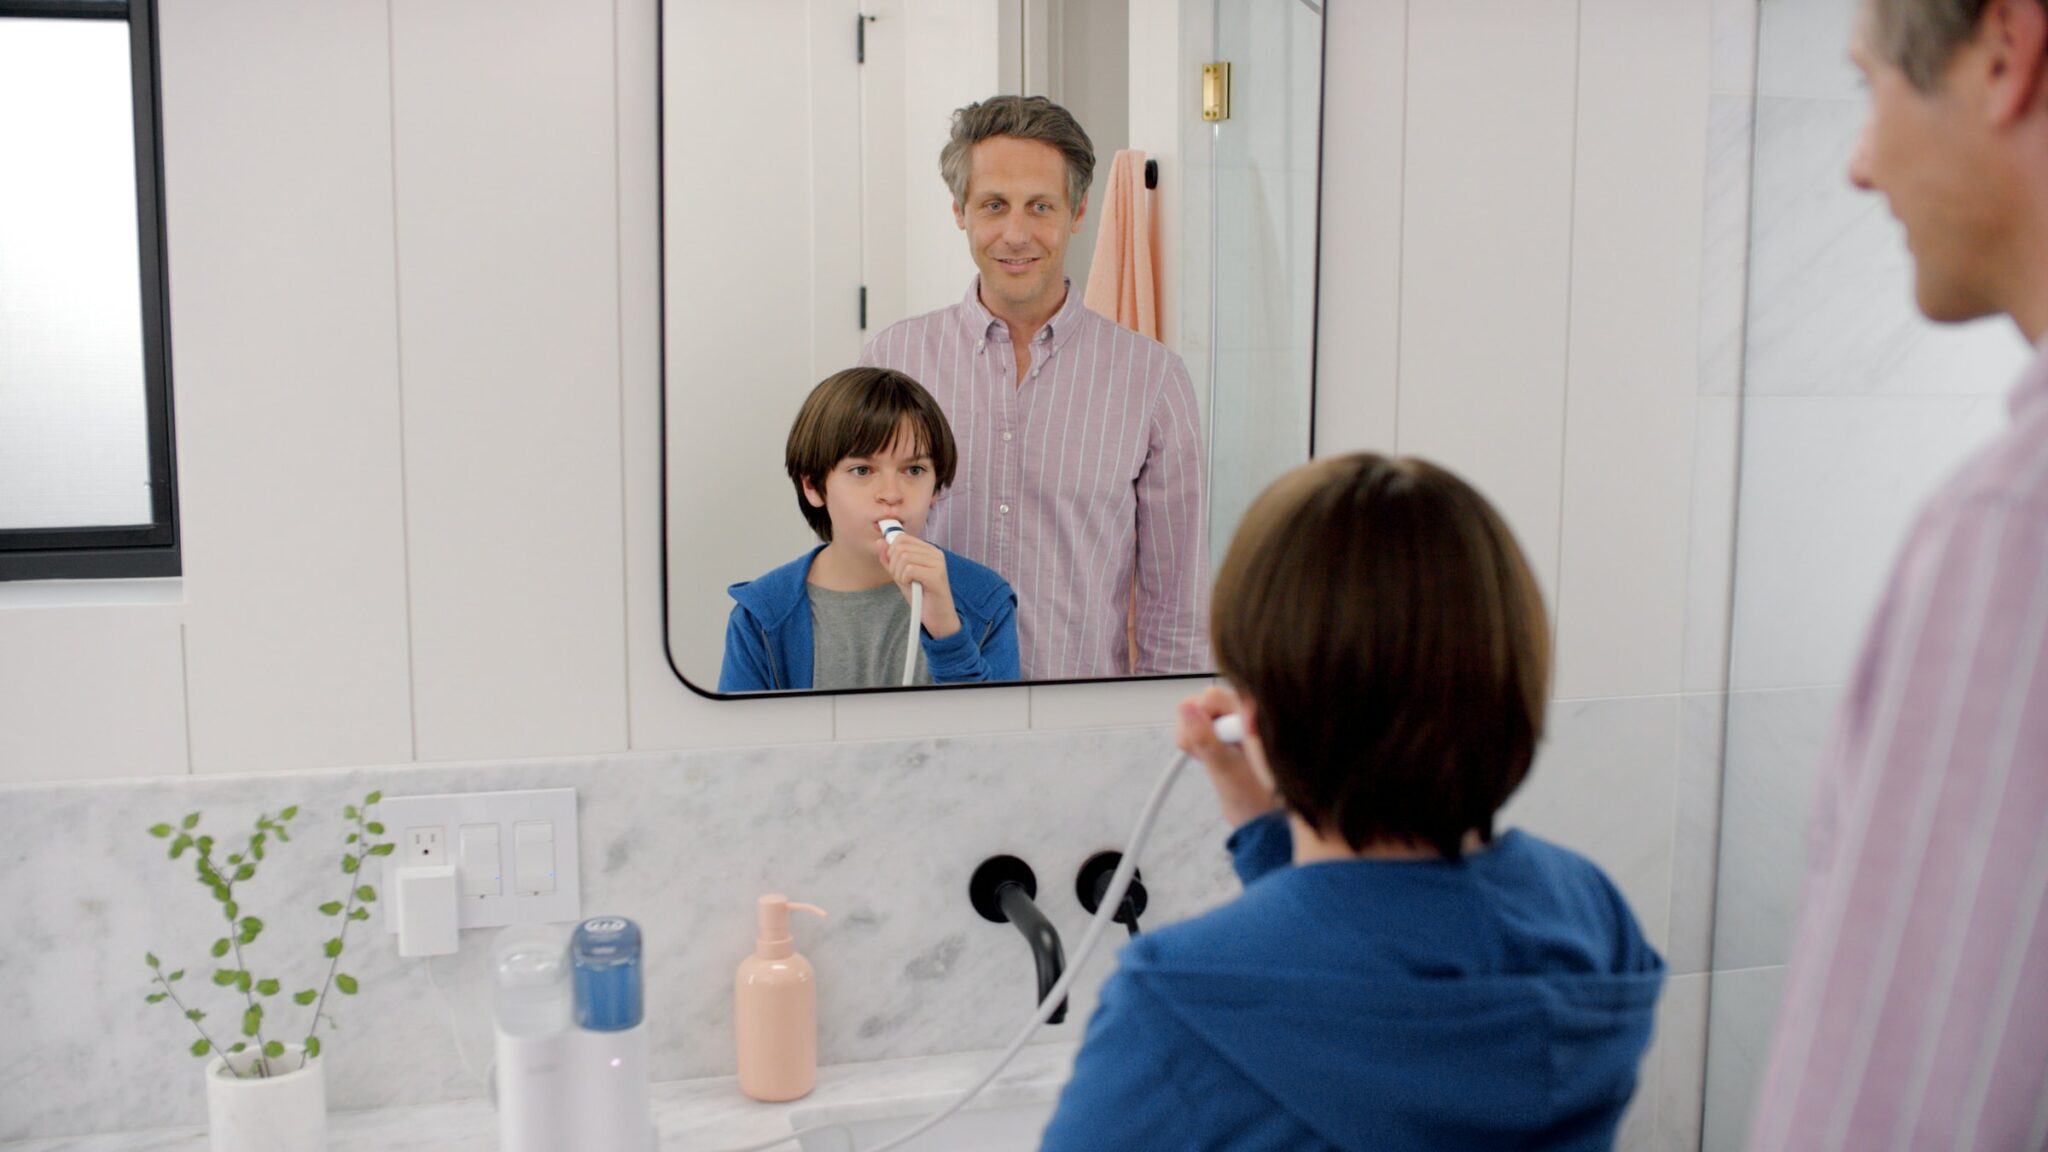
(1775, 741)
(277, 146)
(99, 688)
(1486, 252)
(1680, 1085)
(1633, 361)
(508, 289)
(1743, 1009)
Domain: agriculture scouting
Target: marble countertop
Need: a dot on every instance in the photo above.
(707, 1115)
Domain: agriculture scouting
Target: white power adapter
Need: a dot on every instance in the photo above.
(423, 901)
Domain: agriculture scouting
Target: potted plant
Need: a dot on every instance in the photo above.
(264, 1094)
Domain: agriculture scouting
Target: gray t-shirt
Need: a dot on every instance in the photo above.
(857, 638)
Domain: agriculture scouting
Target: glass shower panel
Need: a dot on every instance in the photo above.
(1263, 221)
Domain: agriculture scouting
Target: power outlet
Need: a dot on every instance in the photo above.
(424, 845)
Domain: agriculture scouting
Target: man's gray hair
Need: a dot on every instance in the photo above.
(1026, 118)
(1918, 37)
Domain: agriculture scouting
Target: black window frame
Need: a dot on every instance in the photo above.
(142, 550)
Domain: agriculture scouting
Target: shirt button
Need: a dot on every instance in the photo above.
(1006, 437)
(1003, 508)
(980, 346)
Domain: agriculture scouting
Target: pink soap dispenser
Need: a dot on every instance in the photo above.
(775, 1010)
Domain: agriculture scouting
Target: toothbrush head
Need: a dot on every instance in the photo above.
(890, 528)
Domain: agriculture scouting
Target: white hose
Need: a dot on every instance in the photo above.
(1228, 729)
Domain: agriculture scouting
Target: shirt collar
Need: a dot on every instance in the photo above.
(2030, 395)
(983, 324)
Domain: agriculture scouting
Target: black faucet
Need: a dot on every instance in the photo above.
(1003, 890)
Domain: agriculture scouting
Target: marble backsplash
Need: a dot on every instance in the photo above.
(883, 835)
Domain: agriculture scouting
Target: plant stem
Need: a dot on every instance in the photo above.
(248, 994)
(334, 964)
(184, 1011)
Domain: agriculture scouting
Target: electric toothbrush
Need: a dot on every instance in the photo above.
(1230, 730)
(890, 530)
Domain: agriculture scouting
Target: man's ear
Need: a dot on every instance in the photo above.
(2014, 34)
(960, 215)
(1080, 210)
(812, 494)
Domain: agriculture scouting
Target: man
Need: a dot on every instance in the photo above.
(1081, 456)
(1916, 1006)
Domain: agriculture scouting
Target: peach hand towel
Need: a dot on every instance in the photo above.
(1123, 278)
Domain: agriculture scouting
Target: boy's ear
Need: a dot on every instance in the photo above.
(812, 494)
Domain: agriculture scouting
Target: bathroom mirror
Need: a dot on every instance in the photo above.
(803, 213)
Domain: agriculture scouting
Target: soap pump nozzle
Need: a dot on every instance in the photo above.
(774, 942)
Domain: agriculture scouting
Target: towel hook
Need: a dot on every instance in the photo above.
(1151, 173)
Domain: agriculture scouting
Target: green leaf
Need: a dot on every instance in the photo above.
(231, 910)
(346, 983)
(160, 831)
(373, 797)
(252, 1020)
(205, 845)
(256, 847)
(179, 845)
(157, 997)
(190, 821)
(359, 914)
(382, 849)
(235, 858)
(331, 908)
(244, 872)
(242, 982)
(349, 813)
(366, 894)
(222, 977)
(349, 864)
(250, 927)
(176, 976)
(374, 828)
(150, 959)
(282, 836)
(349, 839)
(201, 1046)
(220, 947)
(194, 1015)
(306, 997)
(267, 987)
(274, 1049)
(312, 1047)
(332, 948)
(289, 812)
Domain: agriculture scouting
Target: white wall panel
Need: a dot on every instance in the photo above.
(91, 693)
(277, 156)
(1634, 354)
(1110, 705)
(508, 286)
(1486, 252)
(900, 715)
(665, 713)
(1358, 359)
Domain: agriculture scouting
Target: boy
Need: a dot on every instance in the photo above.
(869, 445)
(1396, 975)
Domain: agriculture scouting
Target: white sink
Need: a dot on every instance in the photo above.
(1006, 1118)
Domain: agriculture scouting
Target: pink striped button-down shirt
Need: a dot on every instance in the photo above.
(1075, 482)
(1916, 1006)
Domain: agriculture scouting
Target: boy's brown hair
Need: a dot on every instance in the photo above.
(860, 412)
(1384, 621)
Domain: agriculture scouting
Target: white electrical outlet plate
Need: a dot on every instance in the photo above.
(429, 829)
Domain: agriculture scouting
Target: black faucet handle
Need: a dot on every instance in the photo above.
(1092, 884)
(1004, 890)
(986, 885)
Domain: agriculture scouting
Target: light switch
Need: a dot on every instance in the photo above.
(534, 855)
(479, 860)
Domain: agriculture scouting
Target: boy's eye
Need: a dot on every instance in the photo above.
(916, 470)
(860, 469)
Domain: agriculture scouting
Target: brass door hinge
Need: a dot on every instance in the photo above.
(1216, 91)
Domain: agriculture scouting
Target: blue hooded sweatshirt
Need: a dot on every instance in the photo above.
(768, 636)
(1499, 1002)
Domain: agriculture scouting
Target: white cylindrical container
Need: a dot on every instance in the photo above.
(283, 1112)
(613, 1110)
(533, 1081)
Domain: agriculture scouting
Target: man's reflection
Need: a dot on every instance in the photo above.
(869, 445)
(1081, 449)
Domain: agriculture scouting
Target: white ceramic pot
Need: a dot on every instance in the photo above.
(284, 1112)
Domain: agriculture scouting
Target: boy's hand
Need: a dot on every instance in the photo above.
(1242, 784)
(912, 560)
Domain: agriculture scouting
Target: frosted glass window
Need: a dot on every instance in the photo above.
(74, 428)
